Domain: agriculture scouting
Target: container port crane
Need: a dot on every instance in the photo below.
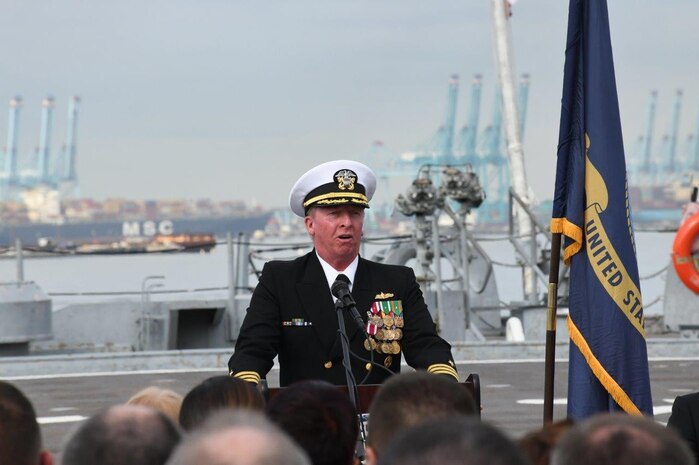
(484, 151)
(42, 170)
(692, 157)
(662, 176)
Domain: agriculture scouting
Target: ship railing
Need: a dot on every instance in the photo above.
(534, 249)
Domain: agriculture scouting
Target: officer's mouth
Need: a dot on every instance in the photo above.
(345, 237)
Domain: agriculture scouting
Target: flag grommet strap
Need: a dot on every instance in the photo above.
(571, 230)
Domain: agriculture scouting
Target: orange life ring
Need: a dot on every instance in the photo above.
(682, 258)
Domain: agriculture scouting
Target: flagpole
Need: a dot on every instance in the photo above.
(552, 307)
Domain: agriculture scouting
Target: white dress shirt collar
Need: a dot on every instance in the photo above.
(331, 273)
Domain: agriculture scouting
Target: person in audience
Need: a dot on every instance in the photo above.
(621, 439)
(242, 437)
(410, 398)
(217, 393)
(123, 435)
(320, 418)
(538, 445)
(167, 401)
(20, 436)
(453, 440)
(685, 420)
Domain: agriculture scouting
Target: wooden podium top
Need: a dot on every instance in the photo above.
(366, 392)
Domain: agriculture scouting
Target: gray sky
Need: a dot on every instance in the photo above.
(235, 99)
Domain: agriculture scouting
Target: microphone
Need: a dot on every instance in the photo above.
(340, 289)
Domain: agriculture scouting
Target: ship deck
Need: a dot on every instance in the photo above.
(512, 391)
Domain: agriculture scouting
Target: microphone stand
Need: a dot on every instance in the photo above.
(351, 383)
(346, 362)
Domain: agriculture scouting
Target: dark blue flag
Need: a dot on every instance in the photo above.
(608, 361)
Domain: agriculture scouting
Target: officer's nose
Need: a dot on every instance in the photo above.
(345, 219)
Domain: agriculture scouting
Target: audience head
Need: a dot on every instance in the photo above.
(454, 440)
(621, 439)
(320, 418)
(539, 444)
(213, 394)
(410, 398)
(167, 401)
(123, 435)
(20, 436)
(240, 437)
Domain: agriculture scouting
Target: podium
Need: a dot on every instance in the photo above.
(368, 391)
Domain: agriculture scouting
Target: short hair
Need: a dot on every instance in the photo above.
(165, 400)
(320, 418)
(454, 440)
(20, 436)
(238, 437)
(538, 445)
(621, 439)
(217, 393)
(123, 435)
(410, 398)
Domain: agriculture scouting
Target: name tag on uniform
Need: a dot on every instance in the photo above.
(297, 322)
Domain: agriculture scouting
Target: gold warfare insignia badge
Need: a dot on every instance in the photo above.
(346, 180)
(383, 295)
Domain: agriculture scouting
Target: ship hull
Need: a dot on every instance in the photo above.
(103, 231)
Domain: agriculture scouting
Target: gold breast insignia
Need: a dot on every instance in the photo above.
(383, 295)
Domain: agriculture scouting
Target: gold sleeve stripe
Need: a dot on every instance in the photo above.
(442, 369)
(446, 373)
(441, 365)
(250, 376)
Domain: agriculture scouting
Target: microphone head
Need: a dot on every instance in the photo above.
(341, 283)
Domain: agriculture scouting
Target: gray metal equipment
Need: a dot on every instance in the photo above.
(25, 312)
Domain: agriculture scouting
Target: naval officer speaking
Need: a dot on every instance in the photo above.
(292, 312)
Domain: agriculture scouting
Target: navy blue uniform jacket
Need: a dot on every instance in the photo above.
(292, 315)
(685, 420)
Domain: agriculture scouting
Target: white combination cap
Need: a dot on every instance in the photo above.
(337, 182)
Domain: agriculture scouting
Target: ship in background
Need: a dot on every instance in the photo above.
(38, 205)
(662, 176)
(45, 219)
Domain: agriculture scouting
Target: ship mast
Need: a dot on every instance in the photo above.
(515, 152)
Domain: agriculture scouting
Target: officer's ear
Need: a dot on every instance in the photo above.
(370, 456)
(309, 222)
(45, 458)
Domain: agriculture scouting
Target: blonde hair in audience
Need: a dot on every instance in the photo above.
(164, 400)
